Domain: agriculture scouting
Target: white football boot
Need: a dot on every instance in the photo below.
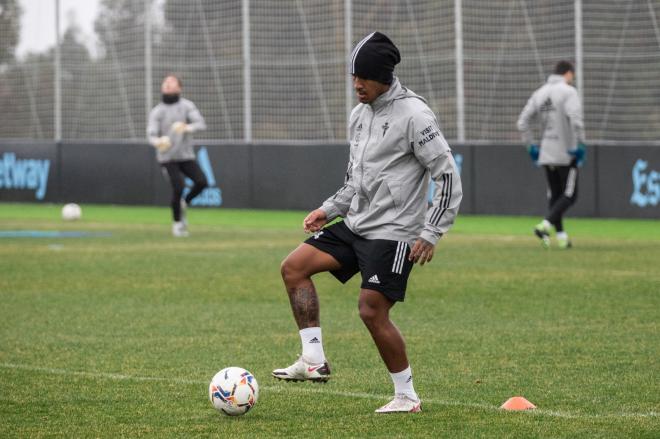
(302, 370)
(543, 233)
(563, 242)
(401, 404)
(179, 229)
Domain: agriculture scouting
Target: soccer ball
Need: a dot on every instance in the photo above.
(233, 391)
(71, 212)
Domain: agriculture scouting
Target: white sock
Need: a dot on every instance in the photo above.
(403, 383)
(546, 224)
(562, 235)
(312, 345)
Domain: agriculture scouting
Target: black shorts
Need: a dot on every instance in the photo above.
(384, 264)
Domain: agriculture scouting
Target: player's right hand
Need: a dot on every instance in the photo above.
(422, 252)
(533, 151)
(163, 144)
(314, 221)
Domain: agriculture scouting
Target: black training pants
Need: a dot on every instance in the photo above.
(176, 173)
(562, 192)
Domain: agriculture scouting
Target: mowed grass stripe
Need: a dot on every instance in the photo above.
(307, 389)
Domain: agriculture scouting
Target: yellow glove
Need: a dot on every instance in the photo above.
(181, 127)
(163, 143)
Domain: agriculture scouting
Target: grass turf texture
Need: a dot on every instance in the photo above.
(119, 335)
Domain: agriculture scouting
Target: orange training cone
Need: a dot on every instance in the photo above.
(517, 403)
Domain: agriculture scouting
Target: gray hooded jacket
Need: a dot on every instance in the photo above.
(161, 119)
(562, 126)
(396, 146)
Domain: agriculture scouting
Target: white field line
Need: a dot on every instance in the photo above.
(317, 388)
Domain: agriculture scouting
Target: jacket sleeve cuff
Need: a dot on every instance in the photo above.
(431, 237)
(331, 212)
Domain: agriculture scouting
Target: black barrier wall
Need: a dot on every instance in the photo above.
(497, 179)
(107, 173)
(508, 183)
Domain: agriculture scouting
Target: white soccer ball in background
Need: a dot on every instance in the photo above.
(71, 212)
(233, 391)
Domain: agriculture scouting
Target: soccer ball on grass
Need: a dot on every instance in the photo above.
(233, 391)
(71, 212)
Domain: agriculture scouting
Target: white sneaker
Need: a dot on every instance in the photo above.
(401, 403)
(543, 233)
(303, 370)
(184, 207)
(564, 243)
(179, 229)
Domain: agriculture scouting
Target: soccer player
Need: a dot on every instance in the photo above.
(171, 125)
(395, 147)
(557, 106)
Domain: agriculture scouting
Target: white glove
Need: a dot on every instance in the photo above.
(181, 127)
(163, 143)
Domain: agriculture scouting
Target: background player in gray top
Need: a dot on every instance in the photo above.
(395, 148)
(171, 125)
(556, 106)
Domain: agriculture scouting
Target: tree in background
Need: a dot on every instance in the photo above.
(9, 29)
(119, 72)
(77, 82)
(201, 41)
(10, 16)
(24, 103)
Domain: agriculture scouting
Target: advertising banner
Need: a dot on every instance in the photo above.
(29, 171)
(615, 182)
(629, 182)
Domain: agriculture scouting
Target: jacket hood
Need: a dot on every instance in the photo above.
(552, 79)
(396, 92)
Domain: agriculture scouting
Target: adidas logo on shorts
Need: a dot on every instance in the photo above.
(374, 280)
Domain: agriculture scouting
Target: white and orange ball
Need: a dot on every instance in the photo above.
(233, 391)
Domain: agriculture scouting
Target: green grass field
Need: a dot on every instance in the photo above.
(118, 335)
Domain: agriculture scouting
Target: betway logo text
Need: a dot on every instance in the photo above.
(212, 195)
(24, 174)
(646, 185)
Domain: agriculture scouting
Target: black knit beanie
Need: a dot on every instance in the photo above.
(374, 58)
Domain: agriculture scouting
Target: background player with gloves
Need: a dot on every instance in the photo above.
(170, 128)
(557, 108)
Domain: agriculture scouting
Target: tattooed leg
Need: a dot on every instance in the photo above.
(305, 304)
(297, 271)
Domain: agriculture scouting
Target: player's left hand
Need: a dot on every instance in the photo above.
(533, 151)
(180, 127)
(163, 143)
(421, 252)
(579, 153)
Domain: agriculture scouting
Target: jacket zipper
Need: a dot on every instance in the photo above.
(364, 150)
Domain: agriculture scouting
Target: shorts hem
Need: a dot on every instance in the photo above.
(394, 297)
(338, 274)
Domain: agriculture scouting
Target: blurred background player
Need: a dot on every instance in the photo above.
(395, 147)
(170, 128)
(557, 107)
